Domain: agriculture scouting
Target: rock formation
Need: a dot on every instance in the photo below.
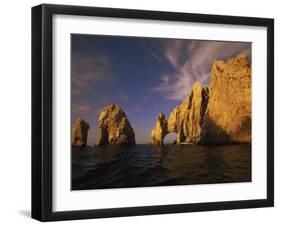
(219, 114)
(159, 132)
(80, 133)
(229, 113)
(114, 127)
(185, 119)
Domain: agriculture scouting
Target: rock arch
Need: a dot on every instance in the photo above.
(185, 119)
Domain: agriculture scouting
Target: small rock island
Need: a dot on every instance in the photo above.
(114, 127)
(80, 133)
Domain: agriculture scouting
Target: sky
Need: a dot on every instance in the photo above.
(143, 75)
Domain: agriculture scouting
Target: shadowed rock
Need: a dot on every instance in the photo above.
(114, 127)
(80, 133)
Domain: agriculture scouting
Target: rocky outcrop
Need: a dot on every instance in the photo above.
(229, 113)
(219, 114)
(159, 132)
(80, 133)
(185, 119)
(114, 127)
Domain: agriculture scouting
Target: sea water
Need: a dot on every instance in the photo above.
(145, 165)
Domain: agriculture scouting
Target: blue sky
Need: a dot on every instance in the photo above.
(144, 76)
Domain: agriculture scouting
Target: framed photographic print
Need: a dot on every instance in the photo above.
(145, 112)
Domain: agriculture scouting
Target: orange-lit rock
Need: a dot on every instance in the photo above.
(219, 114)
(159, 132)
(114, 127)
(229, 113)
(185, 119)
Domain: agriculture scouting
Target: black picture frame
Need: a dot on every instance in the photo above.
(42, 111)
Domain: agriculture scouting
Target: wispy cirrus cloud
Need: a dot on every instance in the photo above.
(153, 48)
(191, 61)
(87, 69)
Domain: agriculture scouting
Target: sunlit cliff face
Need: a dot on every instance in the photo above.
(219, 114)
